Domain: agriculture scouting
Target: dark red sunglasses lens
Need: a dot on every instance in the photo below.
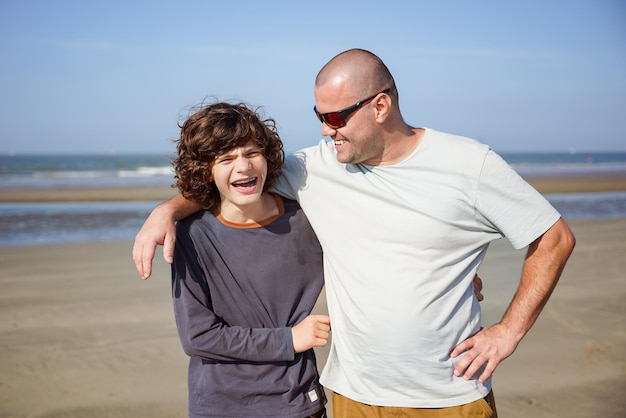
(334, 120)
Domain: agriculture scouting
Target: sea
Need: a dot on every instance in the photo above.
(75, 222)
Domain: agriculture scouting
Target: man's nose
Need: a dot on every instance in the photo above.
(327, 130)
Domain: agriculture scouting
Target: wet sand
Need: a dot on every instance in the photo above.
(545, 184)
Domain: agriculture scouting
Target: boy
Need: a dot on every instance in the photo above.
(247, 272)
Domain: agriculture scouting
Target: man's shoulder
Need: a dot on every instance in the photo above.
(454, 153)
(445, 139)
(318, 158)
(321, 149)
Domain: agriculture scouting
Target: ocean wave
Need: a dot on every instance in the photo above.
(47, 171)
(141, 176)
(147, 172)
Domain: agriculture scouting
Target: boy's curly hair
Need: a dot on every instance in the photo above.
(214, 130)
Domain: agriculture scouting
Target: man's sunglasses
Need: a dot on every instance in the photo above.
(336, 120)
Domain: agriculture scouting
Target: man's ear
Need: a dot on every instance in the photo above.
(383, 107)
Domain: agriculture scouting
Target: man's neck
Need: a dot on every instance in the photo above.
(400, 145)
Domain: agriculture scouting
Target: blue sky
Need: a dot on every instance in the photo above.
(117, 76)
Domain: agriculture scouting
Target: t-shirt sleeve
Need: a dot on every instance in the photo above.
(293, 176)
(510, 204)
(298, 167)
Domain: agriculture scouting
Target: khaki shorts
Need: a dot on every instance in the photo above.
(347, 408)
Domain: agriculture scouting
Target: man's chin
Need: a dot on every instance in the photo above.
(344, 157)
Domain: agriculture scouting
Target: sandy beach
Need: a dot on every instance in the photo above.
(82, 335)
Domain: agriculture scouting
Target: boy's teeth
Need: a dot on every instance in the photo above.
(339, 142)
(244, 182)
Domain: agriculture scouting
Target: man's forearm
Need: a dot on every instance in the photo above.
(542, 269)
(178, 207)
(544, 263)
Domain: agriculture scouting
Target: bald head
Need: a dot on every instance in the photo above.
(380, 136)
(358, 72)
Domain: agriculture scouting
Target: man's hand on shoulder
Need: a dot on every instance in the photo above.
(158, 229)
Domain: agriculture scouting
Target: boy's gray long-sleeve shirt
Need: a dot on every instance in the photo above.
(237, 291)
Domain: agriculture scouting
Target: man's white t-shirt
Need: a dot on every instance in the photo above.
(401, 246)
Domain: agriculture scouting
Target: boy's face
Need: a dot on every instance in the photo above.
(240, 175)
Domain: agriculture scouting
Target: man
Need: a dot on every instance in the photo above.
(404, 216)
